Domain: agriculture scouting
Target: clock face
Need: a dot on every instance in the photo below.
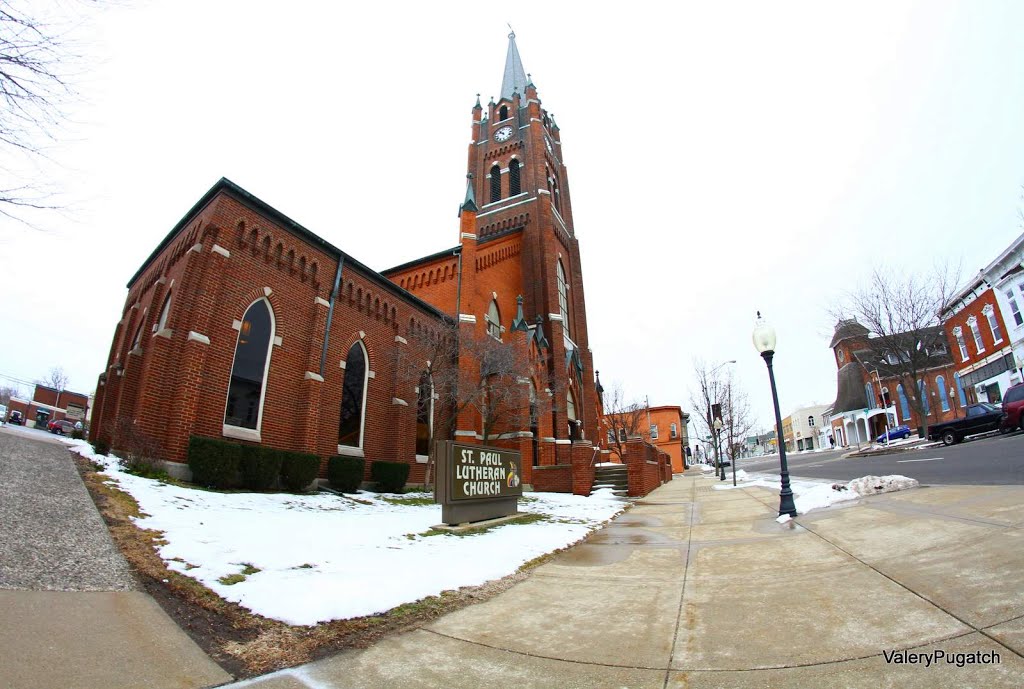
(503, 134)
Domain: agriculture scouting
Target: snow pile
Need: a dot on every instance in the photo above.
(304, 559)
(870, 485)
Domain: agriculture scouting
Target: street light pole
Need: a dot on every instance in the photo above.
(764, 341)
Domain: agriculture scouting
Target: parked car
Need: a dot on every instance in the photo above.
(60, 427)
(16, 418)
(1013, 409)
(897, 433)
(978, 418)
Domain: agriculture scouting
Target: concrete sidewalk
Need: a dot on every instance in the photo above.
(697, 587)
(70, 611)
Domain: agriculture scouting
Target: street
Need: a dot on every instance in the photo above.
(991, 460)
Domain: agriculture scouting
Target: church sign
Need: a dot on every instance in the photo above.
(477, 482)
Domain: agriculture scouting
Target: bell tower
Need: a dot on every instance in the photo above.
(521, 188)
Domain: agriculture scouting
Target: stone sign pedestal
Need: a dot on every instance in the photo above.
(476, 482)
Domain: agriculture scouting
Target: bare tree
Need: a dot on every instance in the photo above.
(901, 313)
(717, 385)
(623, 420)
(6, 393)
(474, 371)
(36, 69)
(56, 379)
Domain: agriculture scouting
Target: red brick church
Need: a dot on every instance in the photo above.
(244, 325)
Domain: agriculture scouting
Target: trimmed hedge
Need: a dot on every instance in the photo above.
(298, 469)
(214, 463)
(390, 476)
(345, 473)
(101, 447)
(260, 466)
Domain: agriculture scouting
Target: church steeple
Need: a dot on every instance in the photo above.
(515, 76)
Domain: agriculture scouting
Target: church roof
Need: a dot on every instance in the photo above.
(514, 78)
(229, 188)
(847, 328)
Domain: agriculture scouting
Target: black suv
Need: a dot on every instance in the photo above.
(16, 418)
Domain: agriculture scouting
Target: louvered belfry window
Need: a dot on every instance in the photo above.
(495, 183)
(513, 177)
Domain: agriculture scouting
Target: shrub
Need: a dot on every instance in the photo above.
(260, 466)
(390, 476)
(101, 447)
(298, 469)
(77, 435)
(345, 473)
(139, 453)
(214, 463)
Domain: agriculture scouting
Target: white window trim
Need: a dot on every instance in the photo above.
(990, 314)
(266, 375)
(958, 333)
(979, 344)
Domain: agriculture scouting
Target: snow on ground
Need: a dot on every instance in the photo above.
(306, 559)
(813, 495)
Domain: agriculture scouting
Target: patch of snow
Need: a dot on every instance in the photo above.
(871, 485)
(326, 557)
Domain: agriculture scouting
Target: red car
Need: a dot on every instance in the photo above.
(1013, 406)
(60, 427)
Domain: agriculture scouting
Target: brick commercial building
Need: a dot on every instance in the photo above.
(49, 404)
(242, 324)
(985, 327)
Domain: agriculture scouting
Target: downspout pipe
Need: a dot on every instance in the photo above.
(330, 314)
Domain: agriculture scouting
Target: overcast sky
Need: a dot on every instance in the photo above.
(722, 158)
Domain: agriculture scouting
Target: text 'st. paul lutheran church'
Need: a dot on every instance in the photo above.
(244, 325)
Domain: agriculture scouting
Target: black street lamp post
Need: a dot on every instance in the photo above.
(764, 341)
(718, 449)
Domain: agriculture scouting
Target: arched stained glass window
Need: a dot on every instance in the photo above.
(495, 183)
(249, 370)
(940, 383)
(960, 390)
(923, 392)
(904, 405)
(563, 297)
(424, 414)
(869, 391)
(353, 397)
(161, 322)
(494, 321)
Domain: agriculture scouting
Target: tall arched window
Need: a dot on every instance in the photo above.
(424, 414)
(940, 383)
(161, 322)
(250, 367)
(960, 390)
(494, 321)
(904, 405)
(570, 412)
(563, 297)
(495, 183)
(353, 397)
(513, 177)
(923, 392)
(869, 390)
(503, 112)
